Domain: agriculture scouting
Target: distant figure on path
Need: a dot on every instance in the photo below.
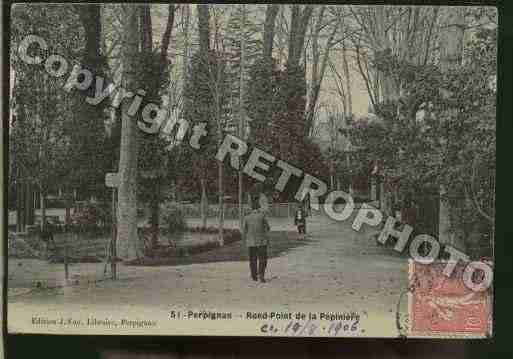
(256, 233)
(300, 221)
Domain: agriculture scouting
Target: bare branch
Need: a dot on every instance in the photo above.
(365, 78)
(166, 37)
(270, 20)
(473, 195)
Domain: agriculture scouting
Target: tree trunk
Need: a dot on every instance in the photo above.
(67, 216)
(155, 215)
(318, 72)
(203, 204)
(241, 108)
(221, 203)
(42, 198)
(129, 247)
(451, 41)
(298, 27)
(204, 29)
(166, 38)
(314, 80)
(146, 30)
(87, 134)
(20, 203)
(451, 51)
(270, 20)
(151, 144)
(29, 205)
(186, 13)
(294, 20)
(153, 94)
(347, 75)
(204, 42)
(295, 91)
(219, 163)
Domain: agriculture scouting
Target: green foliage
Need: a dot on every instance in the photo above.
(57, 135)
(206, 100)
(441, 131)
(265, 102)
(277, 107)
(174, 219)
(235, 30)
(153, 158)
(42, 110)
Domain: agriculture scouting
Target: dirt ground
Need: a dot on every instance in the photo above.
(334, 268)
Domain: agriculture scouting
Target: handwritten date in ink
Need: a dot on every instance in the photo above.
(309, 328)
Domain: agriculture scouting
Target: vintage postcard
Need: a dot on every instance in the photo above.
(251, 170)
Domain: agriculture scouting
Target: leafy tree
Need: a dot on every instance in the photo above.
(154, 78)
(206, 101)
(441, 132)
(87, 124)
(42, 110)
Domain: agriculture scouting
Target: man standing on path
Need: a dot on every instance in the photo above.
(256, 233)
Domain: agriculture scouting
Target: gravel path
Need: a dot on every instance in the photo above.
(335, 269)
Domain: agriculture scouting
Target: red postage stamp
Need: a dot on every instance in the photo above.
(441, 305)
